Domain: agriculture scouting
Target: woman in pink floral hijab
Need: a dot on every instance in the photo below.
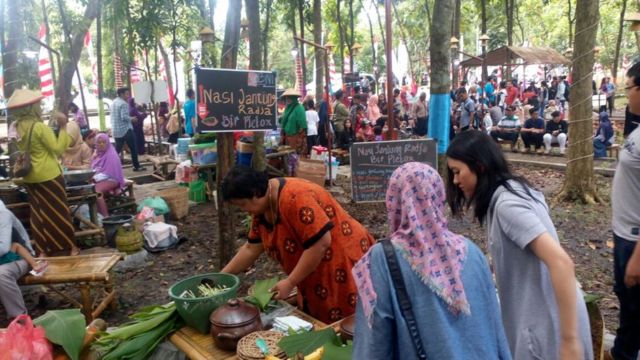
(447, 279)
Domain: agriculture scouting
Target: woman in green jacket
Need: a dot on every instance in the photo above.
(51, 224)
(294, 122)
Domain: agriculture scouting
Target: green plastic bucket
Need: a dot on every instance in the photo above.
(196, 311)
(197, 191)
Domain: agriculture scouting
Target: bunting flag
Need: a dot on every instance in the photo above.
(346, 66)
(44, 65)
(299, 84)
(117, 69)
(336, 80)
(94, 64)
(134, 74)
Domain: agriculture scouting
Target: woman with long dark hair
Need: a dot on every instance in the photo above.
(543, 311)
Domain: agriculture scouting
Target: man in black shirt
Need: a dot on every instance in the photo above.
(556, 132)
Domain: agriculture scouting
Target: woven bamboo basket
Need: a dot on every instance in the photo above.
(178, 200)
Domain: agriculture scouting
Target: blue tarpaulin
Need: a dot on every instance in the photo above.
(439, 120)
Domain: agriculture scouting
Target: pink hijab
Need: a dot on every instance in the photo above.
(373, 111)
(108, 161)
(416, 207)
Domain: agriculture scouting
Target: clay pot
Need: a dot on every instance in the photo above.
(231, 322)
(347, 327)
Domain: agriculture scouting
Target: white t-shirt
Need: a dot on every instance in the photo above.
(312, 122)
(625, 190)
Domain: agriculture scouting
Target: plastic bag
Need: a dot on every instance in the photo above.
(157, 203)
(23, 341)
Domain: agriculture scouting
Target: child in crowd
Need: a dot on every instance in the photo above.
(377, 131)
(312, 124)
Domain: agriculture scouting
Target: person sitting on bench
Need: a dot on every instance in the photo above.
(533, 131)
(556, 133)
(604, 136)
(108, 168)
(508, 128)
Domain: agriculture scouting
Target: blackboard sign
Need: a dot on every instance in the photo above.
(235, 100)
(372, 164)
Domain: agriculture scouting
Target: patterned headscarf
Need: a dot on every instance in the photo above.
(416, 207)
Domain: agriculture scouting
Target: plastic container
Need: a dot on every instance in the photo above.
(319, 153)
(203, 154)
(183, 146)
(244, 159)
(111, 225)
(197, 191)
(196, 311)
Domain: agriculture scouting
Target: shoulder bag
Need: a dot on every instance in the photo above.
(403, 298)
(22, 159)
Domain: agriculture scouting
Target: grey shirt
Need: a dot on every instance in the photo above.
(625, 191)
(468, 108)
(527, 299)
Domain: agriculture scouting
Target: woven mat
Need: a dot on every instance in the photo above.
(248, 350)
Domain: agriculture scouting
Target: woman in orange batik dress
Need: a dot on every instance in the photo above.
(300, 225)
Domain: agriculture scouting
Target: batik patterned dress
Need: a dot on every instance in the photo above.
(306, 212)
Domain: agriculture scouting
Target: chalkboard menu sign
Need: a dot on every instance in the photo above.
(235, 100)
(372, 164)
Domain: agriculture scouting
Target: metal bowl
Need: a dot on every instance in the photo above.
(78, 176)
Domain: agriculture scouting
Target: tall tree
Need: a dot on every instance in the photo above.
(10, 50)
(226, 220)
(258, 160)
(616, 57)
(265, 33)
(70, 62)
(483, 29)
(342, 38)
(351, 37)
(455, 30)
(579, 184)
(45, 18)
(101, 115)
(439, 118)
(571, 19)
(300, 6)
(510, 4)
(382, 34)
(374, 59)
(319, 53)
(403, 37)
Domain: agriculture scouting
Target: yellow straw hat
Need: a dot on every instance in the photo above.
(290, 92)
(24, 97)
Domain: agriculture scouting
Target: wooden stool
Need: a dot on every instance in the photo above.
(614, 149)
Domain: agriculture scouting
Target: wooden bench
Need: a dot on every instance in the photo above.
(164, 167)
(87, 272)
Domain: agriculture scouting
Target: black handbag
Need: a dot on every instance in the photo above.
(22, 159)
(403, 298)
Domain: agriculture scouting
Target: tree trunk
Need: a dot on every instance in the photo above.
(319, 53)
(101, 114)
(440, 33)
(382, 33)
(167, 65)
(212, 9)
(10, 50)
(351, 40)
(70, 62)
(226, 219)
(483, 29)
(265, 34)
(456, 32)
(426, 6)
(509, 14)
(571, 20)
(616, 57)
(302, 46)
(579, 184)
(342, 36)
(258, 161)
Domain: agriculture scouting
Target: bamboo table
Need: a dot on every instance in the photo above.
(86, 271)
(198, 346)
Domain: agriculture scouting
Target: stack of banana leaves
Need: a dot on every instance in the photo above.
(138, 339)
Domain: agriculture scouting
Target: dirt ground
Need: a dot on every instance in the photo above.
(584, 231)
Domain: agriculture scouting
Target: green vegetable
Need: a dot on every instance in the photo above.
(307, 342)
(138, 338)
(204, 138)
(261, 292)
(65, 328)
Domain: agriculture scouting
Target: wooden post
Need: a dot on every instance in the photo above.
(388, 48)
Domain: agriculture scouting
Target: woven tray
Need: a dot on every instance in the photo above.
(248, 350)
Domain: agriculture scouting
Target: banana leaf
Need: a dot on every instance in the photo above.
(66, 328)
(307, 342)
(140, 347)
(261, 293)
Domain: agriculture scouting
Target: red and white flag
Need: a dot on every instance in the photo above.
(94, 64)
(44, 65)
(117, 69)
(299, 84)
